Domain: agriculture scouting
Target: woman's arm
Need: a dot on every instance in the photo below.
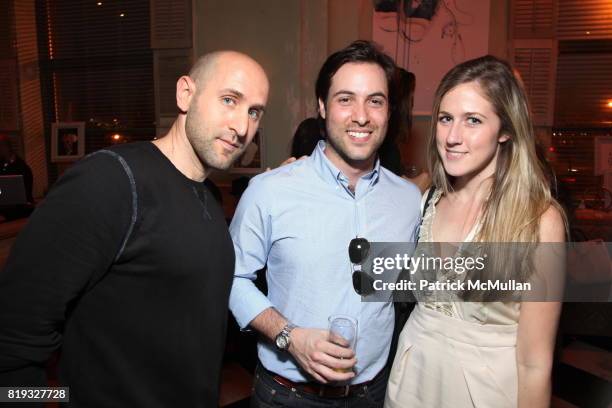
(534, 352)
(537, 331)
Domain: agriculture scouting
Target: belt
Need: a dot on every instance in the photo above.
(323, 390)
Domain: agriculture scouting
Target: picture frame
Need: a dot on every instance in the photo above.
(67, 141)
(252, 161)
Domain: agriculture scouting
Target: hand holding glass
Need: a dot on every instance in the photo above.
(343, 332)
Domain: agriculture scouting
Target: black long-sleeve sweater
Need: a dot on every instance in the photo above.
(127, 265)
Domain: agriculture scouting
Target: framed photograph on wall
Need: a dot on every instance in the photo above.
(67, 141)
(252, 160)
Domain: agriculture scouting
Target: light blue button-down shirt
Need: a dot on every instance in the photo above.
(299, 219)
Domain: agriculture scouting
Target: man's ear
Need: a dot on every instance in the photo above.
(321, 108)
(185, 91)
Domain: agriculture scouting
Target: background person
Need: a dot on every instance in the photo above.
(400, 125)
(306, 137)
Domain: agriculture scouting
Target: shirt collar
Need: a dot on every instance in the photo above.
(330, 173)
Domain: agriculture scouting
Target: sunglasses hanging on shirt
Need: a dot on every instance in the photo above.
(358, 253)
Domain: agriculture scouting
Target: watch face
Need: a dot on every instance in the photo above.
(281, 342)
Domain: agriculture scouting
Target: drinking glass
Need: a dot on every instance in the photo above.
(343, 332)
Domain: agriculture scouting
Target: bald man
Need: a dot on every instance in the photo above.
(128, 263)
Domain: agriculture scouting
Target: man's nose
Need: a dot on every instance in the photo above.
(240, 124)
(360, 114)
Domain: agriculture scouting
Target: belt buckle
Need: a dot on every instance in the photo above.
(347, 389)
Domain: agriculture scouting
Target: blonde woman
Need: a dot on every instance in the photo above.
(488, 187)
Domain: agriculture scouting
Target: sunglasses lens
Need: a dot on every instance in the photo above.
(357, 282)
(358, 250)
(362, 283)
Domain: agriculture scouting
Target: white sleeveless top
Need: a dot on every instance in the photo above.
(504, 313)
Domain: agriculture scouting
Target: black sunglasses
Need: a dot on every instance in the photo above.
(358, 252)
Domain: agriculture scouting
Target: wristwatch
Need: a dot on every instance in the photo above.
(283, 339)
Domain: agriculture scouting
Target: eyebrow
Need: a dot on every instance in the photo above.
(347, 92)
(233, 92)
(475, 113)
(465, 114)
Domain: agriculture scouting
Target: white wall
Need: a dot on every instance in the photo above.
(288, 38)
(456, 33)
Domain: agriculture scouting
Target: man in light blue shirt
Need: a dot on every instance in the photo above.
(298, 221)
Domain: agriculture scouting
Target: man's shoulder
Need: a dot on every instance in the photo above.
(133, 158)
(130, 150)
(399, 184)
(109, 163)
(283, 176)
(277, 187)
(127, 151)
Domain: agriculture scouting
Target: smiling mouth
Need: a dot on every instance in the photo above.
(454, 155)
(359, 134)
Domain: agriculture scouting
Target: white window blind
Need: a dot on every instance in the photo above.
(535, 61)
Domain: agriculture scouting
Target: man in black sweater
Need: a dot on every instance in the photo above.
(128, 263)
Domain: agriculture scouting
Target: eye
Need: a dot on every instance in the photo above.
(473, 120)
(227, 100)
(255, 114)
(444, 119)
(377, 101)
(344, 100)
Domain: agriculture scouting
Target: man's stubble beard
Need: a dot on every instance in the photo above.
(340, 149)
(203, 144)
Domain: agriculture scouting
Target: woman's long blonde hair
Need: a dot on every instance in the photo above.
(520, 192)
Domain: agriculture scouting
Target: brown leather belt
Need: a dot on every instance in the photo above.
(322, 390)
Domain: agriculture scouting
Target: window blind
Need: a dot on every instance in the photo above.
(98, 66)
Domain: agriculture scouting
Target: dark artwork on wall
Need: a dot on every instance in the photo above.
(67, 141)
(425, 9)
